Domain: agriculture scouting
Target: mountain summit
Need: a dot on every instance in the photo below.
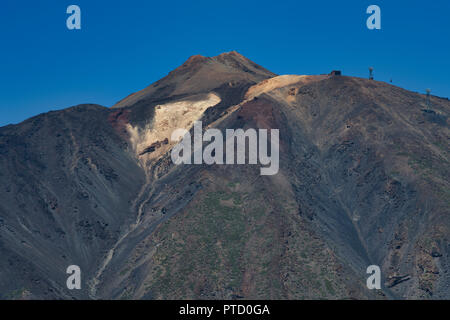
(363, 180)
(201, 74)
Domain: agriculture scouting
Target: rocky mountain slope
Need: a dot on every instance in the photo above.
(363, 179)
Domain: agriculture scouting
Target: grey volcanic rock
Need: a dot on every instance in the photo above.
(364, 179)
(67, 186)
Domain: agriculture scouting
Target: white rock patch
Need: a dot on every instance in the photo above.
(169, 117)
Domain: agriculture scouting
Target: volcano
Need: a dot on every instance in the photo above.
(363, 180)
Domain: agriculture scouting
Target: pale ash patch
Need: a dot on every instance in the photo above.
(167, 118)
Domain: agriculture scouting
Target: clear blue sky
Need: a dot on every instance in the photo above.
(124, 46)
